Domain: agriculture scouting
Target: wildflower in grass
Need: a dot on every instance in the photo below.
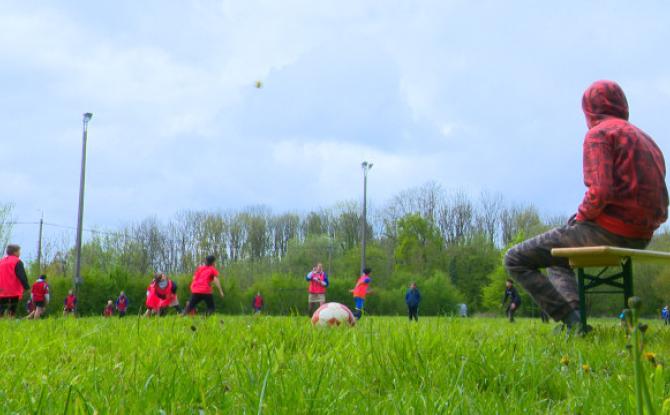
(586, 368)
(651, 358)
(565, 360)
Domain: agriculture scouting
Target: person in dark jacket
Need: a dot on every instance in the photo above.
(412, 299)
(13, 281)
(514, 300)
(626, 200)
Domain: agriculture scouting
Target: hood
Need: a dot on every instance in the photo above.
(603, 100)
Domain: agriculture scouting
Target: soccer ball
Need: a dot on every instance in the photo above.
(333, 314)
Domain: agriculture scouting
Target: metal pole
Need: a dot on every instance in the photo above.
(80, 216)
(39, 246)
(366, 167)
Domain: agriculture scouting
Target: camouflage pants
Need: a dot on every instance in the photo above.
(556, 293)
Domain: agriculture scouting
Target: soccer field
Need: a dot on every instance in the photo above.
(282, 365)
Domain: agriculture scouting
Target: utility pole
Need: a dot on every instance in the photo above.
(39, 245)
(80, 216)
(366, 168)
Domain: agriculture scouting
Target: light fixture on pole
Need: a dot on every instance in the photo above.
(80, 216)
(366, 168)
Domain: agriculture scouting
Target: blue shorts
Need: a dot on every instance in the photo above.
(359, 302)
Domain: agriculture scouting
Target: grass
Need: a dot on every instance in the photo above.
(282, 365)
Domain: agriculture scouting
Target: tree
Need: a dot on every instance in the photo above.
(419, 247)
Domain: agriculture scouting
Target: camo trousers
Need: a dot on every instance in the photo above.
(556, 293)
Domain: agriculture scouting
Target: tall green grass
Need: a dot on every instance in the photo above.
(282, 365)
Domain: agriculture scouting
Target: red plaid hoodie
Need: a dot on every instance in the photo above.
(624, 170)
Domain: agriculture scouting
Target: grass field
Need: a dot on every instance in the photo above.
(282, 365)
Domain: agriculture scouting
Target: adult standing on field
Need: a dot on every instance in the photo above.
(13, 281)
(412, 299)
(201, 287)
(625, 202)
(318, 283)
(39, 295)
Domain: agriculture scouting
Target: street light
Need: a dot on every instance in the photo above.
(80, 216)
(366, 168)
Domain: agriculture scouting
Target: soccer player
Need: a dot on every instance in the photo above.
(13, 281)
(161, 294)
(514, 300)
(258, 303)
(201, 286)
(318, 283)
(625, 202)
(360, 291)
(39, 294)
(121, 304)
(412, 299)
(70, 303)
(109, 309)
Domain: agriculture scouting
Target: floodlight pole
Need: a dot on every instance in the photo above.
(39, 244)
(366, 168)
(80, 217)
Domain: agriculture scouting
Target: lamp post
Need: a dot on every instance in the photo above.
(80, 216)
(366, 168)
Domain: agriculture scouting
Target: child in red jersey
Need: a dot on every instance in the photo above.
(39, 294)
(360, 291)
(121, 304)
(70, 303)
(161, 295)
(201, 287)
(258, 303)
(109, 309)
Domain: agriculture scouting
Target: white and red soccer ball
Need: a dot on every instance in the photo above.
(333, 314)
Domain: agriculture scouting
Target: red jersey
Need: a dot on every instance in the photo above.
(109, 311)
(70, 301)
(202, 279)
(316, 282)
(258, 301)
(10, 286)
(158, 297)
(361, 289)
(40, 290)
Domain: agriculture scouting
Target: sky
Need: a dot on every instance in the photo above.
(473, 95)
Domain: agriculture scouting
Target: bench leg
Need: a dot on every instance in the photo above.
(627, 267)
(582, 295)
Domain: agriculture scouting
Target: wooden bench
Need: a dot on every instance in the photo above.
(605, 257)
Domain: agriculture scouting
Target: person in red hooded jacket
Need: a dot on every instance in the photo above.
(13, 281)
(626, 200)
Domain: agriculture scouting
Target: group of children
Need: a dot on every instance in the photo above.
(160, 297)
(161, 294)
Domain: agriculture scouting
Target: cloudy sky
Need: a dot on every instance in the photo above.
(474, 95)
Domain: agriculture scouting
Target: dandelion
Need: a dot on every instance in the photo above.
(586, 368)
(565, 361)
(651, 357)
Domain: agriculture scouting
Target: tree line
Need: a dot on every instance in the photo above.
(450, 243)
